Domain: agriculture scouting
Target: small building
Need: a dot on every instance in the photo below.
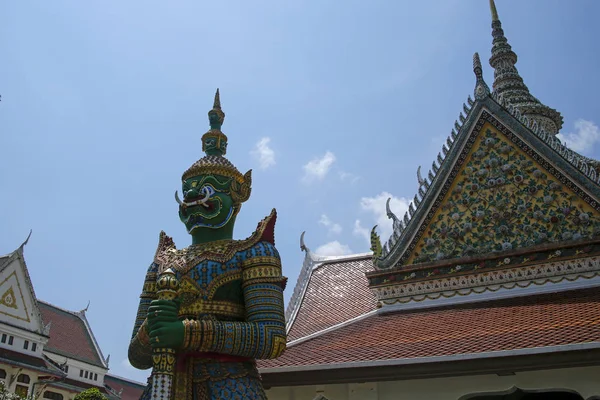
(46, 350)
(489, 287)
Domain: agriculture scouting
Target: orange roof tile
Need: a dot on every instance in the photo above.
(518, 323)
(68, 335)
(337, 292)
(131, 390)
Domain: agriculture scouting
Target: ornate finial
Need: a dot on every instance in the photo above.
(46, 328)
(420, 179)
(482, 90)
(302, 244)
(26, 240)
(494, 11)
(396, 223)
(375, 243)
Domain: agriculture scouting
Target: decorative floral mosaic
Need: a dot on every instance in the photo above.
(501, 200)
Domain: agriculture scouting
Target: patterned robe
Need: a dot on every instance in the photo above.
(231, 295)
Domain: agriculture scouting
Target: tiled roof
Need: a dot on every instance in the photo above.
(131, 390)
(337, 292)
(10, 357)
(76, 386)
(69, 335)
(519, 323)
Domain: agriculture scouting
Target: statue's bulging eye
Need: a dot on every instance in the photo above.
(208, 191)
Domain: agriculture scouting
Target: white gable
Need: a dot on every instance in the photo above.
(18, 305)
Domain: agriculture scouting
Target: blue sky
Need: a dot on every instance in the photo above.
(104, 103)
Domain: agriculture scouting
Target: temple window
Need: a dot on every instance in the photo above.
(26, 345)
(22, 388)
(52, 395)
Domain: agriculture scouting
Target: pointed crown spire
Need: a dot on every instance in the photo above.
(214, 142)
(510, 86)
(216, 116)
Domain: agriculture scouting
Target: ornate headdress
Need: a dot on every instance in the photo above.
(214, 144)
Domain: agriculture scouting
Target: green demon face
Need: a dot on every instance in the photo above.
(207, 203)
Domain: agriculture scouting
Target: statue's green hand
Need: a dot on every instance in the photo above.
(162, 311)
(165, 329)
(167, 334)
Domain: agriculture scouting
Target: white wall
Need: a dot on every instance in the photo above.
(585, 381)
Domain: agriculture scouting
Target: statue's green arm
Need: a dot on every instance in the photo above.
(140, 352)
(262, 335)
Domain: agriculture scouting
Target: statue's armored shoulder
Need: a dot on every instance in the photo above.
(265, 231)
(165, 251)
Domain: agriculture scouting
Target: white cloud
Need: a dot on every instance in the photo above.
(583, 139)
(348, 177)
(263, 153)
(334, 248)
(360, 230)
(376, 206)
(332, 227)
(318, 167)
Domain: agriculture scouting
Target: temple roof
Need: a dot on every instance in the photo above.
(329, 291)
(521, 127)
(76, 386)
(26, 360)
(471, 330)
(128, 389)
(496, 258)
(26, 294)
(71, 335)
(495, 132)
(337, 292)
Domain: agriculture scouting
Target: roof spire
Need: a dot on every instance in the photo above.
(509, 84)
(493, 10)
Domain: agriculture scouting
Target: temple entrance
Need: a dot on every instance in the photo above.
(518, 394)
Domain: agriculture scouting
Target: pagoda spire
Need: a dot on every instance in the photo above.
(509, 85)
(493, 10)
